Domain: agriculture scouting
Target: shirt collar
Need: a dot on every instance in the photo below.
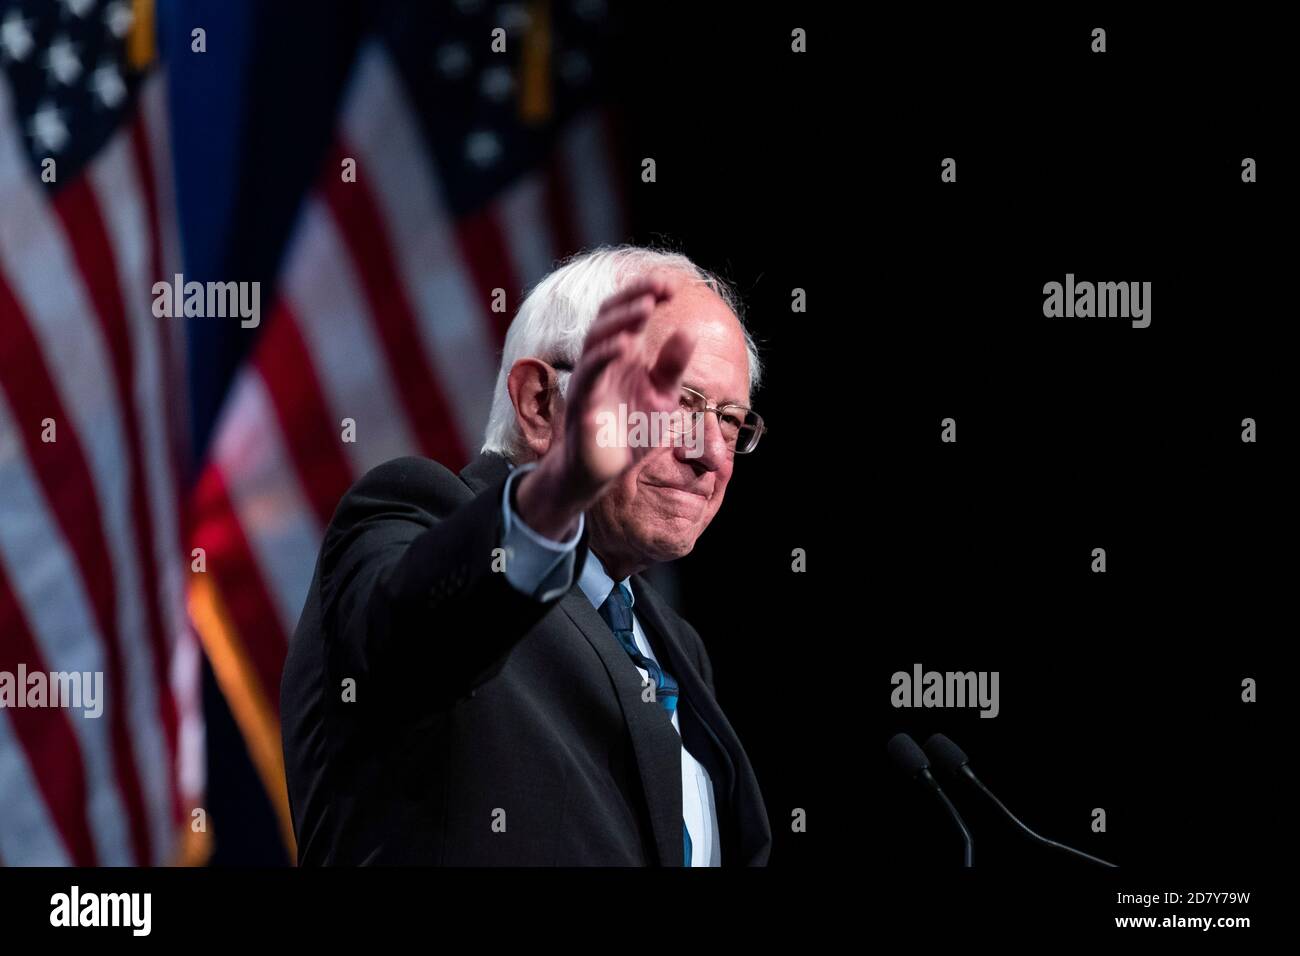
(596, 583)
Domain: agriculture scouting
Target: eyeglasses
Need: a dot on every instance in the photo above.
(741, 427)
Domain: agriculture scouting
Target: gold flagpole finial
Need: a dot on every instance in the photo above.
(535, 103)
(142, 41)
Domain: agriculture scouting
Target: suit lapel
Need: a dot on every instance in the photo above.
(743, 823)
(693, 693)
(654, 741)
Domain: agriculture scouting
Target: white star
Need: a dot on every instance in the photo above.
(48, 129)
(119, 18)
(590, 9)
(514, 18)
(453, 61)
(497, 83)
(482, 148)
(108, 86)
(61, 60)
(16, 36)
(575, 67)
(78, 8)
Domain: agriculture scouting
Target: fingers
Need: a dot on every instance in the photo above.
(616, 334)
(627, 309)
(628, 317)
(594, 361)
(670, 365)
(646, 285)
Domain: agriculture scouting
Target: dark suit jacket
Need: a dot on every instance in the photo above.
(471, 697)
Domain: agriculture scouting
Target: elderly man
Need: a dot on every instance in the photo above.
(481, 676)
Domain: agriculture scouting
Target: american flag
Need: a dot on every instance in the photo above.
(91, 558)
(455, 170)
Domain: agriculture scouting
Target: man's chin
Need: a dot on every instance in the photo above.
(669, 549)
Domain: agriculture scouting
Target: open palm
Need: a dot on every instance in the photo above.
(615, 370)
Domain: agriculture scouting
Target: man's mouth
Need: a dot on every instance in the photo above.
(689, 492)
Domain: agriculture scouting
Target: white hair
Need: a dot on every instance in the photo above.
(554, 317)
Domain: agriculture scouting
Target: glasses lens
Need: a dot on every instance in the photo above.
(688, 415)
(740, 427)
(748, 433)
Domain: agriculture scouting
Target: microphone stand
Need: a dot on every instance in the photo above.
(968, 842)
(970, 775)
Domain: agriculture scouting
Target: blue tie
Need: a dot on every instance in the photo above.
(617, 612)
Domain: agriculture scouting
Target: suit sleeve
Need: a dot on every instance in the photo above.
(413, 600)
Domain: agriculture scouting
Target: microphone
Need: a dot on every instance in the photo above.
(911, 759)
(948, 756)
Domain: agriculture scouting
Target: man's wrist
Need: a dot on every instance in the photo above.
(545, 505)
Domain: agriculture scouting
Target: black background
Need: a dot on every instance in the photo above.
(1119, 690)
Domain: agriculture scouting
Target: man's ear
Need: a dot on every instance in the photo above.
(537, 405)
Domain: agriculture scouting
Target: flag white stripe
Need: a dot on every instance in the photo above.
(48, 588)
(153, 114)
(266, 496)
(454, 323)
(153, 107)
(186, 678)
(334, 318)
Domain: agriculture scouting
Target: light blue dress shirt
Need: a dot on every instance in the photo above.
(543, 568)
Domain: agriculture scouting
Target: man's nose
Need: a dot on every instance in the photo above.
(708, 450)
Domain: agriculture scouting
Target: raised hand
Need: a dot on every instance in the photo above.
(613, 370)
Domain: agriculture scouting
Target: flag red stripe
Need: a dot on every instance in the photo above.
(96, 259)
(65, 478)
(47, 737)
(356, 213)
(305, 421)
(171, 387)
(487, 257)
(229, 558)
